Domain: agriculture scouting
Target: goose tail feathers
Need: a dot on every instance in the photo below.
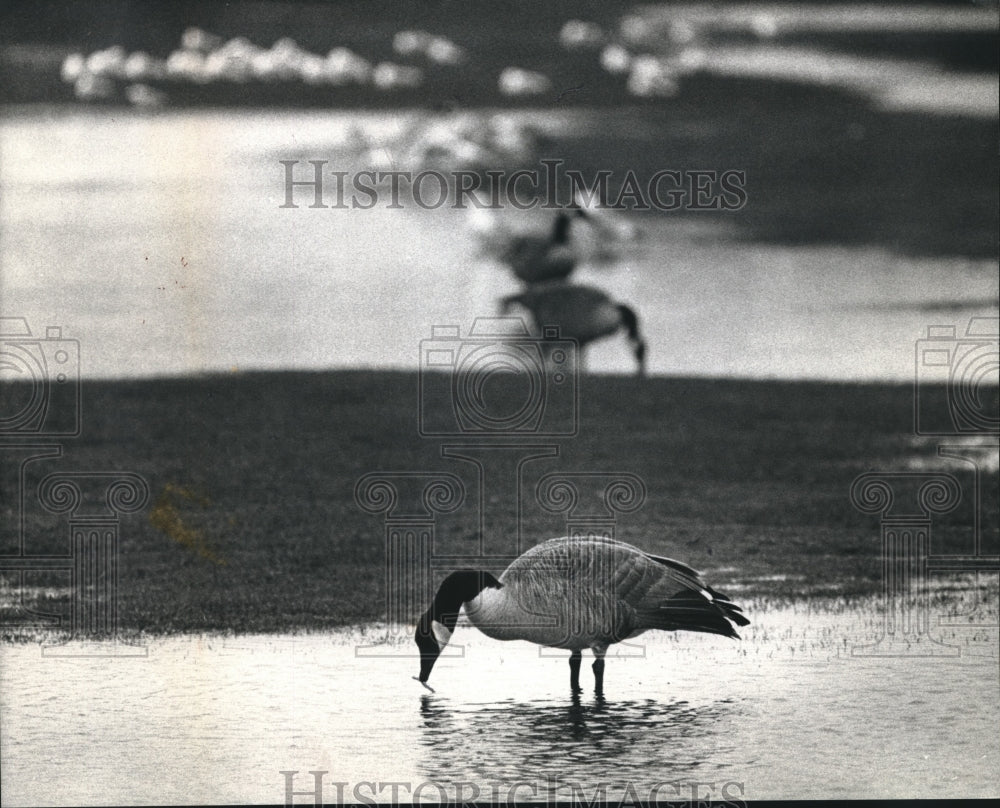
(730, 609)
(690, 610)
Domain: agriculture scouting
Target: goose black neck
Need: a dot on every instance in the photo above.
(560, 230)
(445, 608)
(458, 588)
(630, 322)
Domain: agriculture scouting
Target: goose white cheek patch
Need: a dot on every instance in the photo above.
(441, 633)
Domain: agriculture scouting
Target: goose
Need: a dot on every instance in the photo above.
(576, 593)
(581, 35)
(518, 82)
(535, 257)
(583, 313)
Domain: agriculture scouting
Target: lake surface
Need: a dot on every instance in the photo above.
(788, 712)
(158, 241)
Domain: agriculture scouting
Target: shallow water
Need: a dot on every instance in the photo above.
(787, 712)
(159, 242)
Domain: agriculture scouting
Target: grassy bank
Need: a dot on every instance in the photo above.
(252, 524)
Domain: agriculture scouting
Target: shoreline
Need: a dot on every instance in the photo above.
(968, 593)
(310, 373)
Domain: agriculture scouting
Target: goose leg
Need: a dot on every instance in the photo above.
(599, 670)
(574, 671)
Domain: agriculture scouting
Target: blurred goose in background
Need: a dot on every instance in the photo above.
(344, 66)
(109, 63)
(576, 594)
(581, 35)
(197, 39)
(516, 142)
(616, 59)
(536, 257)
(653, 52)
(140, 66)
(452, 143)
(392, 76)
(583, 313)
(436, 49)
(516, 82)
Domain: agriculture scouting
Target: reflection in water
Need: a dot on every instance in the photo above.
(641, 741)
(789, 713)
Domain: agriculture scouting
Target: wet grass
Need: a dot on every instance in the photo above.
(251, 524)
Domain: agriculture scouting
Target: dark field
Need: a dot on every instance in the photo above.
(252, 525)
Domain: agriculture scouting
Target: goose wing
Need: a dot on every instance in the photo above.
(581, 312)
(620, 585)
(536, 259)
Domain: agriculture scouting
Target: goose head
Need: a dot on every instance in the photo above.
(562, 222)
(437, 624)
